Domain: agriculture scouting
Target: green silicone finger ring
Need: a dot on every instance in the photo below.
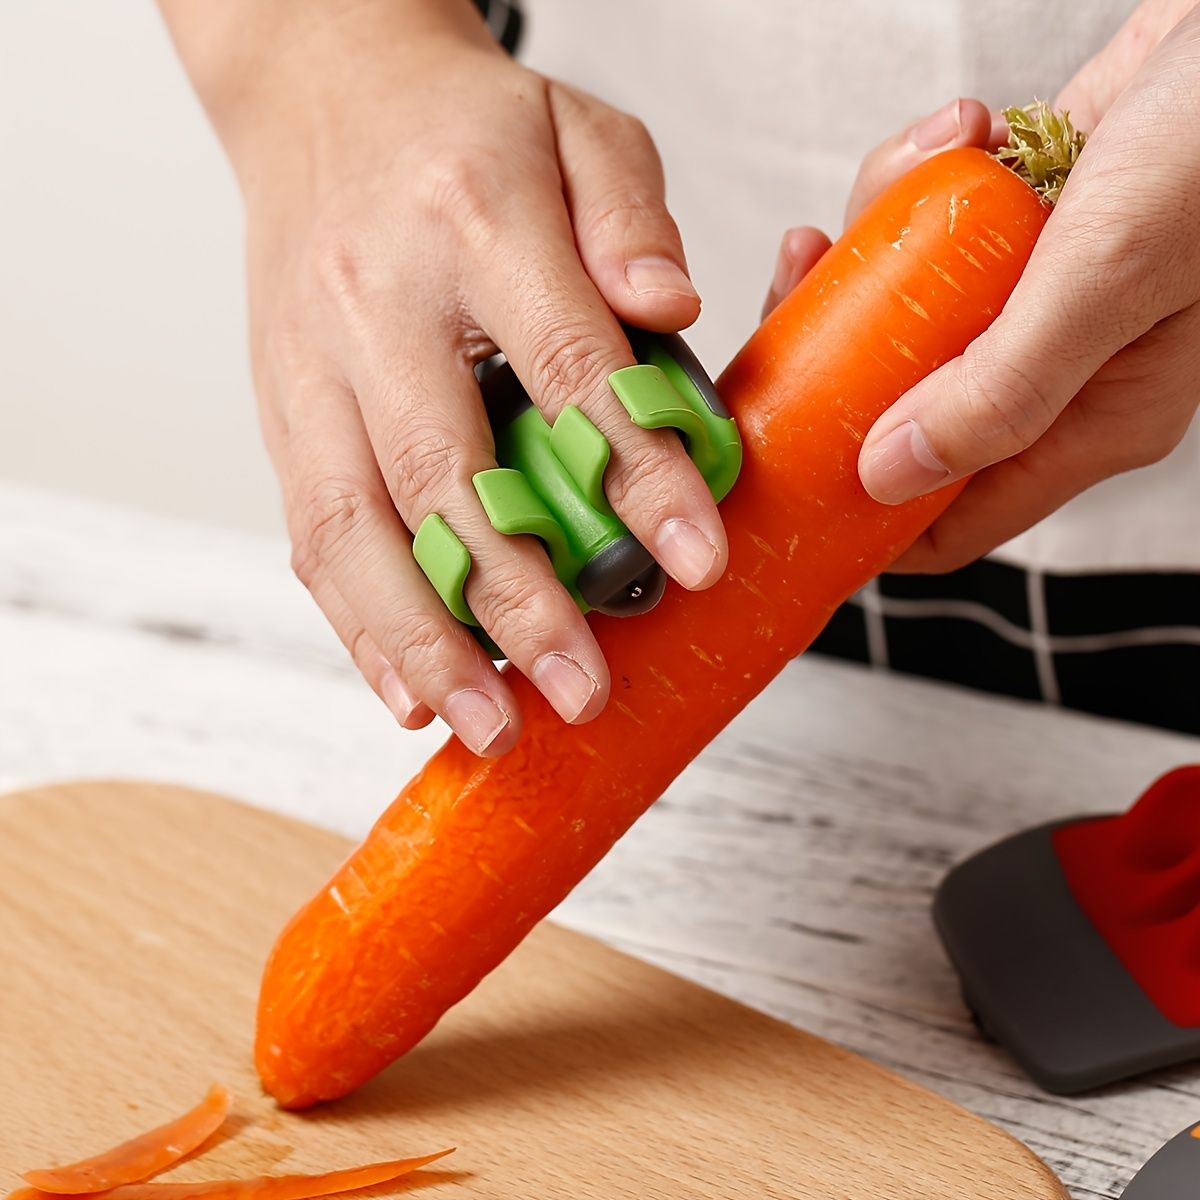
(550, 481)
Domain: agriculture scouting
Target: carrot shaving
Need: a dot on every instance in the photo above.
(140, 1158)
(277, 1187)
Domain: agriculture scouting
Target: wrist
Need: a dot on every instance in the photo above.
(284, 79)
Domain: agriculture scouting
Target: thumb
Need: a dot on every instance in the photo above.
(1133, 412)
(628, 242)
(1103, 272)
(1009, 386)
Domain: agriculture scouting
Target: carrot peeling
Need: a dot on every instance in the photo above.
(142, 1157)
(120, 1173)
(264, 1187)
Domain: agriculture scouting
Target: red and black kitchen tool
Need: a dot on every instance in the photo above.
(1078, 943)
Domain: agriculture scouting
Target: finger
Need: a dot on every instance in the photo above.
(563, 342)
(1132, 413)
(799, 252)
(345, 530)
(959, 123)
(409, 711)
(429, 455)
(628, 242)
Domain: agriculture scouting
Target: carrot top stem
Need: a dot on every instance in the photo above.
(1042, 147)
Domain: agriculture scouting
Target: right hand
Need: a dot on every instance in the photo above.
(416, 200)
(1089, 370)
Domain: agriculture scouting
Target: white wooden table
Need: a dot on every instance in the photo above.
(791, 866)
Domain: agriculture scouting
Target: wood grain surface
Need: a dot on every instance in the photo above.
(133, 923)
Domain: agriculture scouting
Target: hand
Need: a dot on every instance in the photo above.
(415, 200)
(1090, 369)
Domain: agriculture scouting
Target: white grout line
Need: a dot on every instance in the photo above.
(1039, 629)
(870, 599)
(971, 610)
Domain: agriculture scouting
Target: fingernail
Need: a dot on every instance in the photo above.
(476, 718)
(396, 696)
(685, 552)
(902, 466)
(646, 276)
(939, 128)
(565, 684)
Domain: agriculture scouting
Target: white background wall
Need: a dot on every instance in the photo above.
(123, 369)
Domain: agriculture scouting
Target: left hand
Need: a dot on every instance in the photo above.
(1091, 368)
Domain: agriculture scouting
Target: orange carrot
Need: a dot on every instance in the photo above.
(264, 1187)
(142, 1157)
(475, 852)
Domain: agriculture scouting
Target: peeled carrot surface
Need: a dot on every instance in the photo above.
(474, 852)
(143, 1156)
(279, 1187)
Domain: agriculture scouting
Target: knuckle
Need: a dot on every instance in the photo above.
(1151, 446)
(462, 188)
(616, 214)
(519, 610)
(337, 262)
(566, 365)
(1129, 273)
(1006, 407)
(327, 519)
(952, 559)
(422, 648)
(632, 130)
(615, 126)
(1148, 455)
(361, 649)
(645, 476)
(304, 562)
(423, 464)
(940, 552)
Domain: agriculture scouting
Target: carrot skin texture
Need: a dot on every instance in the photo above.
(474, 852)
(141, 1157)
(264, 1187)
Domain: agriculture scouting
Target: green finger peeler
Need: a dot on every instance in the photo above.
(550, 480)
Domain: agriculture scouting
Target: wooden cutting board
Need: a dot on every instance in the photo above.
(134, 920)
